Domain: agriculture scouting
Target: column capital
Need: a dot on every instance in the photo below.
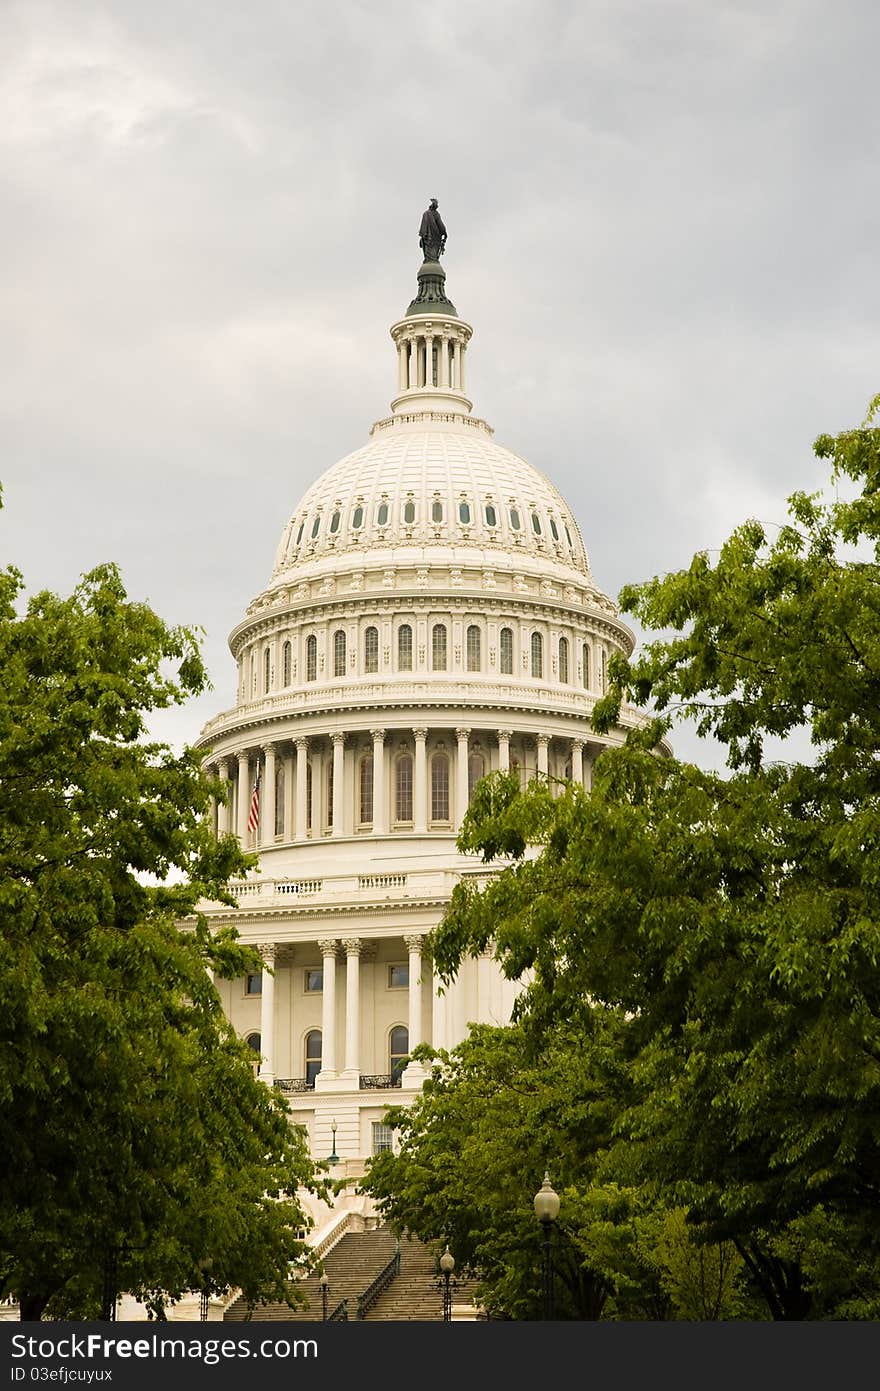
(327, 946)
(578, 744)
(542, 740)
(377, 735)
(223, 767)
(301, 743)
(270, 747)
(267, 951)
(505, 734)
(420, 734)
(353, 946)
(462, 734)
(338, 736)
(414, 942)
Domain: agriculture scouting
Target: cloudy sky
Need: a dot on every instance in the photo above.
(664, 225)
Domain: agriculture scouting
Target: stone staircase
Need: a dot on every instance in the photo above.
(350, 1267)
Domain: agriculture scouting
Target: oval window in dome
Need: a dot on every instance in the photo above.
(315, 526)
(491, 515)
(357, 517)
(514, 520)
(568, 538)
(464, 513)
(334, 523)
(409, 512)
(382, 514)
(536, 524)
(299, 534)
(553, 531)
(436, 510)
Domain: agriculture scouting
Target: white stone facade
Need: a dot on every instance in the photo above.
(431, 617)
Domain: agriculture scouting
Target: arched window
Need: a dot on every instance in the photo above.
(505, 640)
(438, 647)
(515, 523)
(409, 512)
(563, 660)
(585, 658)
(311, 658)
(339, 653)
(474, 662)
(403, 788)
(279, 799)
(537, 655)
(398, 1050)
(316, 526)
(357, 518)
(436, 511)
(309, 785)
(536, 524)
(255, 1042)
(464, 513)
(286, 664)
(299, 534)
(491, 515)
(334, 522)
(371, 649)
(440, 787)
(554, 530)
(312, 1056)
(365, 791)
(404, 647)
(382, 514)
(476, 770)
(267, 671)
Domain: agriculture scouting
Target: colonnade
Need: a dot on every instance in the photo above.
(319, 787)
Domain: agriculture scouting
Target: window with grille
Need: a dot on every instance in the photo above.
(279, 799)
(563, 660)
(366, 790)
(382, 1137)
(339, 653)
(404, 647)
(286, 665)
(440, 787)
(330, 793)
(476, 770)
(585, 657)
(312, 658)
(313, 980)
(267, 670)
(473, 648)
(313, 1051)
(505, 641)
(253, 983)
(537, 655)
(371, 650)
(309, 782)
(403, 789)
(438, 647)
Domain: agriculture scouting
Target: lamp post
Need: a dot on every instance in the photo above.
(205, 1269)
(546, 1211)
(325, 1291)
(447, 1265)
(334, 1157)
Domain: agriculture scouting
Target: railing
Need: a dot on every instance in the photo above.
(340, 1313)
(333, 1233)
(381, 1283)
(381, 881)
(299, 886)
(380, 1083)
(290, 1085)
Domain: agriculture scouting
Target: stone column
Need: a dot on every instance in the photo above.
(223, 808)
(243, 797)
(338, 782)
(267, 1015)
(443, 362)
(461, 775)
(414, 1072)
(504, 750)
(420, 782)
(543, 741)
(413, 362)
(456, 364)
(577, 762)
(267, 804)
(380, 818)
(402, 366)
(352, 1007)
(302, 753)
(328, 1009)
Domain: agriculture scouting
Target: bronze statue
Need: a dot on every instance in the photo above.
(432, 233)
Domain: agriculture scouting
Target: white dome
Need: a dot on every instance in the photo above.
(432, 484)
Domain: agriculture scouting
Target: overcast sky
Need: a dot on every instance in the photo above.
(664, 225)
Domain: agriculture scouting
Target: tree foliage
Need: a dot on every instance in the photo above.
(733, 919)
(137, 1145)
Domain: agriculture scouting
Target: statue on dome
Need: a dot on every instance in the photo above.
(432, 233)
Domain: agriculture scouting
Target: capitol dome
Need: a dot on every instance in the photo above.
(430, 617)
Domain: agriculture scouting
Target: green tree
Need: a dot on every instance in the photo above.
(138, 1148)
(734, 919)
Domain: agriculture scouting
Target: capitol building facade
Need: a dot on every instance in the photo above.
(430, 617)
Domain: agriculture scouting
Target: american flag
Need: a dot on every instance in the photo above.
(254, 817)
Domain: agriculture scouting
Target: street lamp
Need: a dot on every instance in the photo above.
(447, 1265)
(205, 1269)
(334, 1157)
(325, 1291)
(547, 1211)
